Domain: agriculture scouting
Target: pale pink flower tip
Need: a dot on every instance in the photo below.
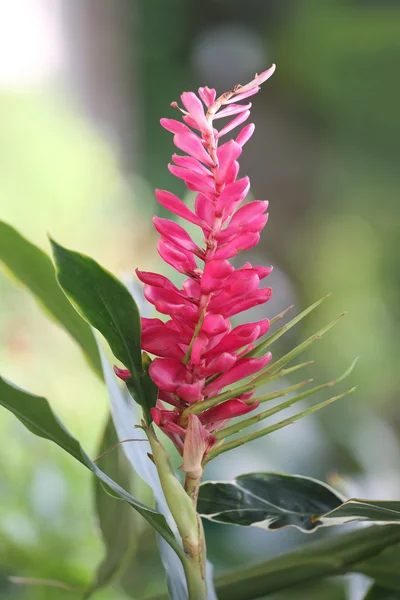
(198, 351)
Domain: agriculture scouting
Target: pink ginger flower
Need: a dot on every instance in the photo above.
(198, 352)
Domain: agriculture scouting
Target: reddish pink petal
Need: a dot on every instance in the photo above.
(198, 348)
(191, 122)
(164, 342)
(227, 410)
(232, 172)
(263, 272)
(232, 194)
(174, 232)
(233, 109)
(259, 297)
(194, 106)
(167, 373)
(200, 183)
(243, 241)
(191, 144)
(227, 154)
(249, 212)
(239, 337)
(242, 95)
(198, 442)
(234, 123)
(215, 324)
(173, 428)
(178, 258)
(214, 273)
(245, 134)
(258, 80)
(204, 209)
(148, 324)
(243, 368)
(231, 232)
(156, 280)
(157, 294)
(123, 374)
(221, 363)
(191, 392)
(174, 126)
(175, 205)
(188, 162)
(207, 95)
(191, 288)
(161, 417)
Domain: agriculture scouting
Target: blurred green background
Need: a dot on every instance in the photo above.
(83, 84)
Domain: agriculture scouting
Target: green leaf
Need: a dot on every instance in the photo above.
(33, 268)
(273, 501)
(384, 568)
(116, 520)
(109, 307)
(35, 413)
(335, 555)
(376, 592)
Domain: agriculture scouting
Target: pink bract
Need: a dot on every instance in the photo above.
(198, 353)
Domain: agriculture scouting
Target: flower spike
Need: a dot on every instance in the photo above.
(198, 353)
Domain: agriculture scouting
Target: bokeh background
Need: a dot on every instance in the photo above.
(83, 84)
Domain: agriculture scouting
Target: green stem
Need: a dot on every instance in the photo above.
(182, 505)
(195, 579)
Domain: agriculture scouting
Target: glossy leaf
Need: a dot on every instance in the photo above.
(119, 528)
(109, 307)
(33, 268)
(331, 556)
(35, 413)
(273, 501)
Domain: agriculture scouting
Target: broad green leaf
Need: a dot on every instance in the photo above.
(33, 268)
(35, 413)
(335, 555)
(384, 568)
(109, 307)
(376, 592)
(119, 528)
(273, 501)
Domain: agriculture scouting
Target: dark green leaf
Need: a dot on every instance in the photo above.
(272, 501)
(384, 568)
(116, 520)
(336, 555)
(109, 307)
(33, 268)
(35, 413)
(376, 592)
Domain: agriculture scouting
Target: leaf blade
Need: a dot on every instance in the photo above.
(35, 413)
(109, 307)
(272, 501)
(33, 268)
